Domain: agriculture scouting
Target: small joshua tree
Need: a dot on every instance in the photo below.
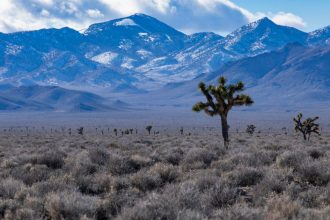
(126, 131)
(220, 100)
(148, 128)
(306, 127)
(250, 129)
(181, 130)
(115, 131)
(80, 130)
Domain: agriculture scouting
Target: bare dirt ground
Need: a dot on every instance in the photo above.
(52, 175)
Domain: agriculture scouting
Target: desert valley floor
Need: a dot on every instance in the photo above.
(48, 174)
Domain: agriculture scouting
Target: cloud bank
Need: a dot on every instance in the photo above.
(220, 16)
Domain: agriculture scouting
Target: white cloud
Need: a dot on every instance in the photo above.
(221, 16)
(289, 19)
(45, 13)
(94, 13)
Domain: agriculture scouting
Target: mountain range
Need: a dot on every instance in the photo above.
(141, 56)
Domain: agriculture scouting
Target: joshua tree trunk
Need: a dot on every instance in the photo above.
(225, 128)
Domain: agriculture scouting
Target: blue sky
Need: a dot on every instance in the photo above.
(189, 16)
(316, 13)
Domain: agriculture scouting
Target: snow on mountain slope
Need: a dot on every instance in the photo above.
(295, 76)
(261, 36)
(319, 37)
(135, 53)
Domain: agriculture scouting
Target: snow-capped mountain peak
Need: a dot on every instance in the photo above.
(136, 52)
(262, 35)
(320, 36)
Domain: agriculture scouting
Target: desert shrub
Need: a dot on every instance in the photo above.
(316, 174)
(141, 161)
(224, 165)
(315, 154)
(56, 183)
(81, 164)
(119, 165)
(189, 214)
(7, 207)
(166, 173)
(9, 187)
(281, 207)
(155, 206)
(240, 211)
(93, 184)
(272, 183)
(255, 158)
(205, 182)
(187, 195)
(198, 156)
(246, 177)
(53, 160)
(99, 156)
(310, 198)
(222, 195)
(70, 205)
(145, 181)
(24, 214)
(30, 174)
(169, 155)
(113, 203)
(290, 159)
(120, 183)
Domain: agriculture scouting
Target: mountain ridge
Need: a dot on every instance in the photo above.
(146, 55)
(138, 54)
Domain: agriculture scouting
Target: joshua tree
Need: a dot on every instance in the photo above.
(126, 131)
(306, 127)
(250, 129)
(148, 128)
(80, 130)
(181, 130)
(220, 100)
(115, 131)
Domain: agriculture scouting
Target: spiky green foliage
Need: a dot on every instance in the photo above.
(220, 100)
(250, 129)
(306, 127)
(148, 128)
(80, 130)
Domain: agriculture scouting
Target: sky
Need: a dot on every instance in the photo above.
(189, 16)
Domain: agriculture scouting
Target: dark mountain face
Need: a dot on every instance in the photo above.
(319, 37)
(263, 35)
(50, 98)
(137, 54)
(136, 32)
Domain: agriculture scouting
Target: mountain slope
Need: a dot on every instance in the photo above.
(134, 54)
(262, 36)
(294, 76)
(50, 98)
(319, 37)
